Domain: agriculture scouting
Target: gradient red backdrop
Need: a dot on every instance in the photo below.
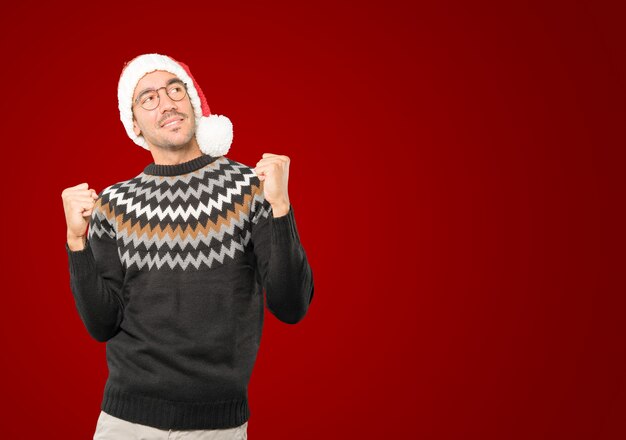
(458, 175)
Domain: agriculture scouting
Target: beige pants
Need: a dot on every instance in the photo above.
(112, 428)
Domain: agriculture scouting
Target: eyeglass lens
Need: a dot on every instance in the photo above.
(150, 100)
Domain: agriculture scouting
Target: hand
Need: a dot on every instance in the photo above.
(273, 169)
(78, 203)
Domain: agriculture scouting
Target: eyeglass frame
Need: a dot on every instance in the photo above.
(135, 102)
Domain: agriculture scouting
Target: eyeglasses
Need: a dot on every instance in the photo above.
(151, 99)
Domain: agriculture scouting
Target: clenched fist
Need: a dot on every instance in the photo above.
(273, 169)
(78, 202)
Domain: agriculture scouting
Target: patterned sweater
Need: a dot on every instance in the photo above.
(172, 278)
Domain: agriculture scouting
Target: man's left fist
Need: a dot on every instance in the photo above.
(273, 169)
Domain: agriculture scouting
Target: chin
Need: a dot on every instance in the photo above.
(173, 142)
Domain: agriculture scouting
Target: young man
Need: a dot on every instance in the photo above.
(172, 269)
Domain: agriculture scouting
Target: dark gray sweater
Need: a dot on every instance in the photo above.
(172, 279)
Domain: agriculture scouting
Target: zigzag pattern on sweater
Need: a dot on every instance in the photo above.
(200, 219)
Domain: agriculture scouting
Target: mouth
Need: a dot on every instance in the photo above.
(172, 123)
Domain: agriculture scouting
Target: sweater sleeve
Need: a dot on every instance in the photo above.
(97, 276)
(281, 262)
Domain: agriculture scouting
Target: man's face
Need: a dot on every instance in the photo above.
(155, 124)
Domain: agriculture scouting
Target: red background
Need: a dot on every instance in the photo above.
(457, 176)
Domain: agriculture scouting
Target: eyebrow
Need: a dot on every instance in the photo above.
(170, 81)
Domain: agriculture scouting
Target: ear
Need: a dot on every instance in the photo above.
(136, 128)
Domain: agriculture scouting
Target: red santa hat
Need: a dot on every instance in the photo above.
(214, 133)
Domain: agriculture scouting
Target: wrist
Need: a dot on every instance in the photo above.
(280, 209)
(76, 242)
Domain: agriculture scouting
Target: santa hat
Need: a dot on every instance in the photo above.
(214, 133)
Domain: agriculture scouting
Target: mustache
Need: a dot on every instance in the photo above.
(171, 115)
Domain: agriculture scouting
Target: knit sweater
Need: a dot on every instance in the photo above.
(172, 278)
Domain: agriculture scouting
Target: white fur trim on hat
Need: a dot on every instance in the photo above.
(214, 133)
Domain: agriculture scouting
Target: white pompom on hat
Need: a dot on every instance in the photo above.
(214, 133)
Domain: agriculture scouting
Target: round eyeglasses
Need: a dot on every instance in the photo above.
(150, 99)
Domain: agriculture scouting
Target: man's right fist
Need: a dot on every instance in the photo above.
(78, 202)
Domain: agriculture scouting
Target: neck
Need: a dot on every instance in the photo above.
(164, 156)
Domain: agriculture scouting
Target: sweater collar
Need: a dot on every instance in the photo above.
(180, 168)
